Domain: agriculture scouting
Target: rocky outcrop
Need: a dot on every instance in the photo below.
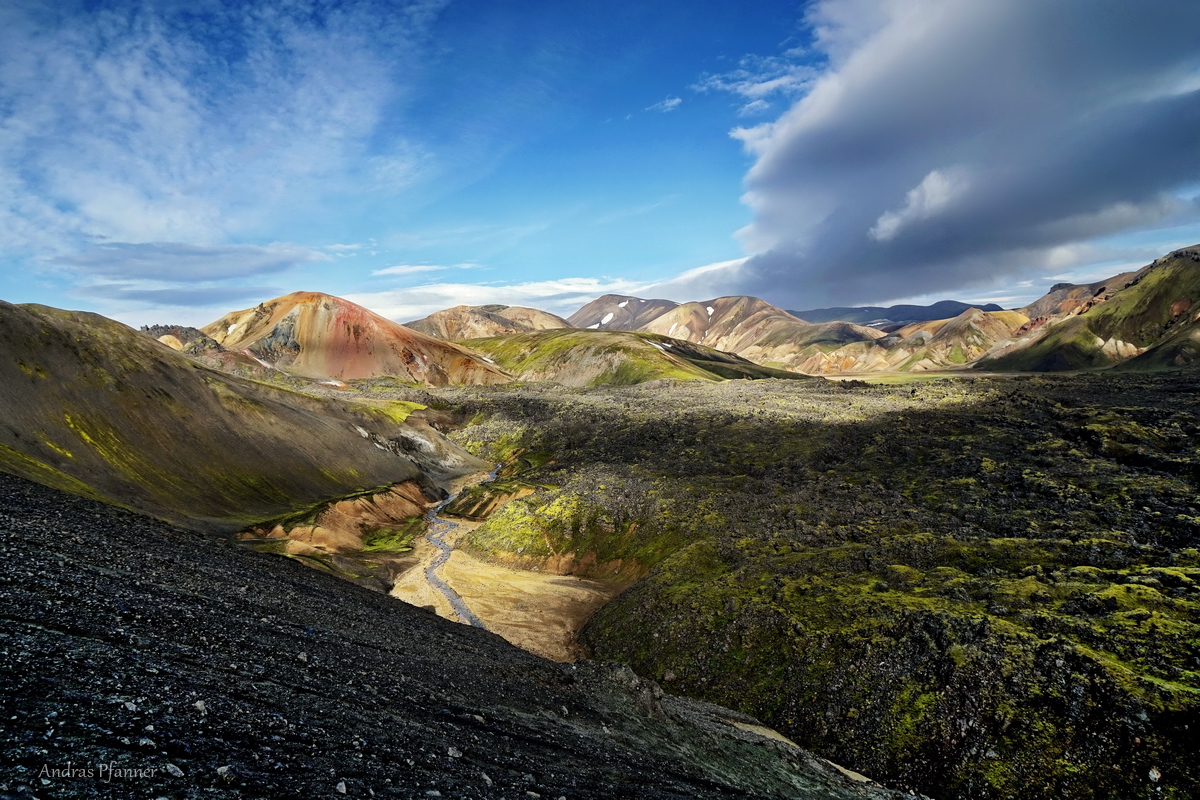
(181, 337)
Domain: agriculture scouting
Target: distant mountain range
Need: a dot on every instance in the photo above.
(1141, 320)
(1136, 319)
(892, 316)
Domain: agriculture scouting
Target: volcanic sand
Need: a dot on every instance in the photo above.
(536, 611)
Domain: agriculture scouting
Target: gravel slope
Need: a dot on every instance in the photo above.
(127, 645)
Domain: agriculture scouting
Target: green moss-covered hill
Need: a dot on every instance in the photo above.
(595, 358)
(1145, 312)
(977, 589)
(93, 407)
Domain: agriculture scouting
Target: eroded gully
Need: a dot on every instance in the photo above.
(438, 528)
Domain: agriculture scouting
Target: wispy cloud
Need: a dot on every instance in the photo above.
(560, 296)
(189, 297)
(668, 104)
(135, 122)
(484, 235)
(186, 263)
(711, 280)
(760, 77)
(408, 269)
(625, 213)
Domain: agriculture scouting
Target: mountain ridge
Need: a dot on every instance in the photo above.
(892, 315)
(476, 322)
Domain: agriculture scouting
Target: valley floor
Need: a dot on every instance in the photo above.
(537, 611)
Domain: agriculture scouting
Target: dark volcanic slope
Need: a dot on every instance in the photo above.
(236, 674)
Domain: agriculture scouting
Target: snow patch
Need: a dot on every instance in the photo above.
(259, 360)
(659, 346)
(231, 327)
(607, 318)
(622, 304)
(710, 311)
(362, 432)
(485, 358)
(597, 325)
(674, 325)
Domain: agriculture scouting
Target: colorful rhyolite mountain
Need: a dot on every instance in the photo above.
(93, 407)
(1142, 318)
(618, 312)
(477, 322)
(1148, 319)
(319, 336)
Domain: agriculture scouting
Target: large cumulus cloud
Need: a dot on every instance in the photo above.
(950, 142)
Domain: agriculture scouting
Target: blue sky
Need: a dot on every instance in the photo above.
(168, 162)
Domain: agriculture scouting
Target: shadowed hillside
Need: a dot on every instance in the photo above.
(93, 407)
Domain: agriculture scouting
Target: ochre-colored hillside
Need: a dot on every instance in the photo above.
(320, 336)
(477, 322)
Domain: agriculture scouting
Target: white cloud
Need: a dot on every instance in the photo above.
(186, 263)
(669, 104)
(934, 193)
(754, 107)
(1057, 141)
(758, 77)
(635, 211)
(710, 280)
(128, 122)
(407, 269)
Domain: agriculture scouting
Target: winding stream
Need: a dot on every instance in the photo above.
(438, 528)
